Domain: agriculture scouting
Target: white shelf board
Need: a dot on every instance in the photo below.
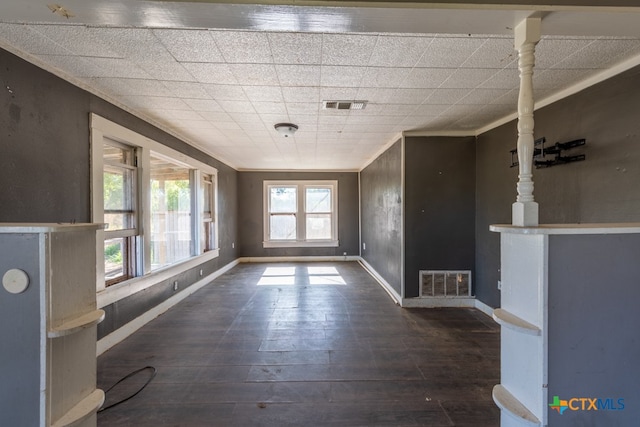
(83, 410)
(600, 228)
(507, 402)
(511, 321)
(77, 324)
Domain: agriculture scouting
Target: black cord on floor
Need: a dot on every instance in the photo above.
(153, 374)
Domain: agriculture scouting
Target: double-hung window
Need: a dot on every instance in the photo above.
(158, 206)
(300, 213)
(120, 187)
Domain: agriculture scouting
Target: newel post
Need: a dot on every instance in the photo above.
(525, 209)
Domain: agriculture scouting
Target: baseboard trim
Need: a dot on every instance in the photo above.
(439, 302)
(484, 308)
(329, 258)
(385, 285)
(126, 330)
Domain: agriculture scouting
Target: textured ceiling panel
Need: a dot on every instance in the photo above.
(223, 90)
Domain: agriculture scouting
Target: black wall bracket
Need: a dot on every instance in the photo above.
(545, 157)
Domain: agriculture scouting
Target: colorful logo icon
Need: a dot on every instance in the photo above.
(559, 405)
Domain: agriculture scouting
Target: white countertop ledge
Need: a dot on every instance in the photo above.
(600, 228)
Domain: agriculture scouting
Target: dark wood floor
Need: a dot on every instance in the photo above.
(305, 344)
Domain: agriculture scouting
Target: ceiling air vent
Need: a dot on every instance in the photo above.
(344, 105)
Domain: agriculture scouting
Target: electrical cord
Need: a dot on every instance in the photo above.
(153, 374)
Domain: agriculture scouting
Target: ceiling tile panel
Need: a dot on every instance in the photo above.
(228, 92)
(175, 115)
(131, 43)
(559, 79)
(600, 54)
(270, 108)
(296, 48)
(263, 93)
(449, 52)
(191, 90)
(425, 78)
(392, 51)
(216, 116)
(203, 104)
(467, 78)
(338, 93)
(248, 47)
(155, 102)
(550, 51)
(483, 96)
(30, 40)
(347, 49)
(495, 52)
(231, 106)
(298, 75)
(341, 76)
(302, 108)
(190, 45)
(166, 70)
(76, 39)
(301, 94)
(507, 78)
(255, 74)
(384, 77)
(211, 73)
(120, 86)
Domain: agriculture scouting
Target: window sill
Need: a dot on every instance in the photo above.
(129, 287)
(301, 244)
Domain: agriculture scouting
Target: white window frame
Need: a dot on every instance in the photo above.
(300, 240)
(102, 128)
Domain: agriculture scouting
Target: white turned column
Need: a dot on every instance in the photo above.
(525, 209)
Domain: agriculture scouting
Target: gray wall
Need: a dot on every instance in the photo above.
(603, 188)
(439, 206)
(593, 317)
(45, 170)
(251, 200)
(381, 215)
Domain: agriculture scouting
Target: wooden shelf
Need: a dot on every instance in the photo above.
(511, 321)
(508, 403)
(77, 324)
(83, 410)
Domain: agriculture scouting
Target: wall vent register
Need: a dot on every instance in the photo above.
(445, 283)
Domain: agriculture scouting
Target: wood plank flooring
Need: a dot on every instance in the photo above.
(305, 344)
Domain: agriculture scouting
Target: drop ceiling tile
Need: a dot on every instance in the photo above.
(270, 108)
(216, 116)
(255, 74)
(224, 126)
(192, 90)
(429, 110)
(200, 134)
(551, 51)
(446, 96)
(305, 120)
(263, 93)
(76, 39)
(375, 94)
(211, 73)
(399, 51)
(495, 52)
(296, 48)
(27, 39)
(242, 118)
(507, 78)
(166, 70)
(243, 46)
(338, 93)
(190, 45)
(230, 106)
(600, 54)
(374, 119)
(228, 92)
(468, 78)
(271, 119)
(155, 102)
(302, 108)
(341, 76)
(96, 67)
(301, 94)
(327, 122)
(252, 126)
(347, 49)
(390, 109)
(426, 77)
(203, 104)
(410, 96)
(559, 79)
(200, 124)
(449, 52)
(298, 75)
(238, 136)
(384, 77)
(120, 86)
(174, 115)
(258, 134)
(483, 96)
(131, 43)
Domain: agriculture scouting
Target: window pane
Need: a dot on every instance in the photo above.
(282, 227)
(119, 187)
(170, 213)
(283, 199)
(318, 200)
(115, 258)
(318, 226)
